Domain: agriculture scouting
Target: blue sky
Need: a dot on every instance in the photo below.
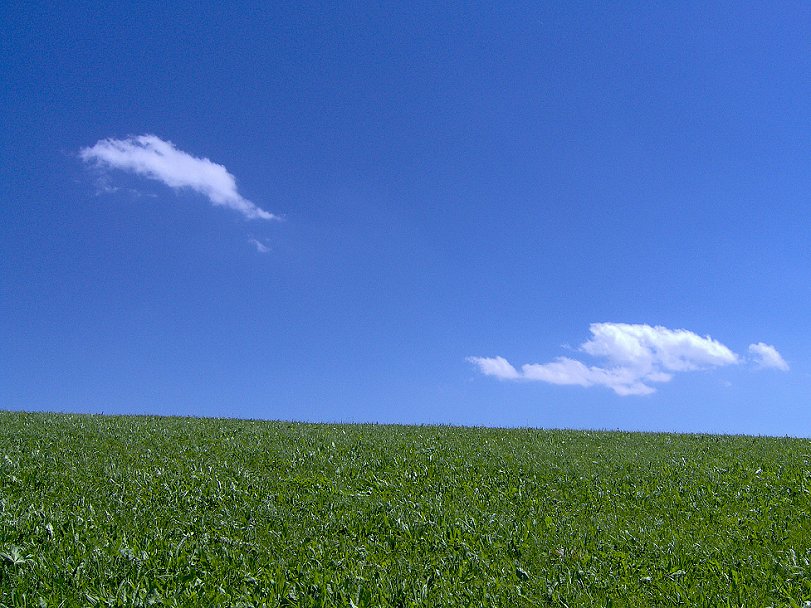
(554, 215)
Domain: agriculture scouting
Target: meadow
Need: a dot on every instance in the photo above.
(152, 511)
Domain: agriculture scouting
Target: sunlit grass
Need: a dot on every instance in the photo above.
(138, 511)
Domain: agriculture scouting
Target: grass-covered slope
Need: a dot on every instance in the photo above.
(130, 511)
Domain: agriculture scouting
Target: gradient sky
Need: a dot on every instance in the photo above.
(552, 215)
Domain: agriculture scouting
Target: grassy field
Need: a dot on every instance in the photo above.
(140, 511)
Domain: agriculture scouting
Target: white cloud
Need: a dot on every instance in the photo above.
(646, 347)
(766, 356)
(495, 366)
(260, 246)
(563, 370)
(637, 356)
(150, 156)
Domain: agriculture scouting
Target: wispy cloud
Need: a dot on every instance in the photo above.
(636, 355)
(765, 356)
(260, 246)
(151, 157)
(496, 366)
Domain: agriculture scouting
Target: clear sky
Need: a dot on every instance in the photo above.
(544, 214)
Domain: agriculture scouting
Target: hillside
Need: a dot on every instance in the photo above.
(137, 511)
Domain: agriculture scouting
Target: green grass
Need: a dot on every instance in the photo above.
(138, 511)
